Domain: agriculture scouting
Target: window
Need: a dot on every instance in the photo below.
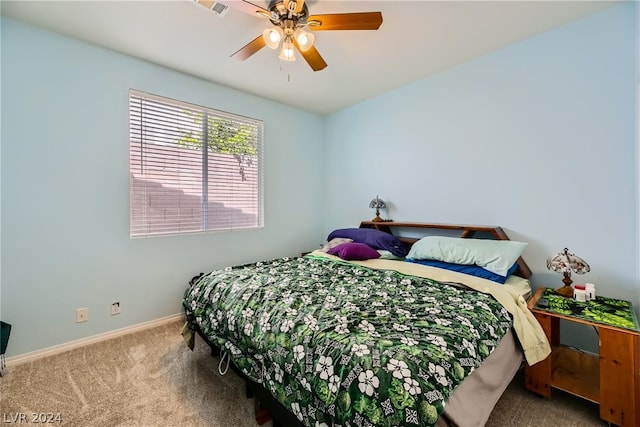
(192, 169)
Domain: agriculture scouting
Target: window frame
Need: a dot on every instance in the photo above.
(208, 115)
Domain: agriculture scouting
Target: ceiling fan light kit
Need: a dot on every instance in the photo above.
(305, 40)
(287, 53)
(272, 37)
(289, 18)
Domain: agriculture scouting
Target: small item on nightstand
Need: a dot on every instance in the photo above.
(591, 291)
(579, 295)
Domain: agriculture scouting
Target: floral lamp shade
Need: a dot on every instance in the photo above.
(377, 204)
(565, 262)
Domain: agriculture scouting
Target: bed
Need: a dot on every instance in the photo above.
(336, 339)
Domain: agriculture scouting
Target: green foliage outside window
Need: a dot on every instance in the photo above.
(224, 136)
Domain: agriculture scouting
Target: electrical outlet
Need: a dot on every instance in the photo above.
(115, 308)
(82, 315)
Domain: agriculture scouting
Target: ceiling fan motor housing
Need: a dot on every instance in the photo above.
(279, 14)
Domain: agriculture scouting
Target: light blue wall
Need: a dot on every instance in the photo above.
(65, 190)
(637, 54)
(538, 138)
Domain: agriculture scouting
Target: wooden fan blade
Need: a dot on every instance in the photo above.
(250, 48)
(346, 21)
(312, 56)
(246, 7)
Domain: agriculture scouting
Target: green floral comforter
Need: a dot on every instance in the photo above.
(344, 345)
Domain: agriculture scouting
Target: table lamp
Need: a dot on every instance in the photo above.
(377, 204)
(566, 262)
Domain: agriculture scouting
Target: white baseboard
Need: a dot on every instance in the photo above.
(56, 349)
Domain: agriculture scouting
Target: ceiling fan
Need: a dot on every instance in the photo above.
(289, 18)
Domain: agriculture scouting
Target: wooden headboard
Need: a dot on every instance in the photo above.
(466, 231)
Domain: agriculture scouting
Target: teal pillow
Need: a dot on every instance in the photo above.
(496, 256)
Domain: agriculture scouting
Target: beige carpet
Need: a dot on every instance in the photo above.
(151, 378)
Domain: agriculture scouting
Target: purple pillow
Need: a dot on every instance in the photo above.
(375, 238)
(354, 251)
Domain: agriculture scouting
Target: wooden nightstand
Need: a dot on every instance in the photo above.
(611, 379)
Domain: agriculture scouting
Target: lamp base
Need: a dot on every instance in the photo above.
(377, 219)
(565, 291)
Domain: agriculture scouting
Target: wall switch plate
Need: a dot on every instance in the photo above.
(115, 308)
(82, 315)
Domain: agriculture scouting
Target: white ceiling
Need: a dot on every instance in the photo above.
(415, 40)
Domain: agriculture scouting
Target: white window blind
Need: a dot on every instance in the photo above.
(192, 168)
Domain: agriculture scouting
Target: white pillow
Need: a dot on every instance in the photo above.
(335, 242)
(493, 255)
(388, 255)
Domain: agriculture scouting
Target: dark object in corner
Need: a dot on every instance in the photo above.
(5, 331)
